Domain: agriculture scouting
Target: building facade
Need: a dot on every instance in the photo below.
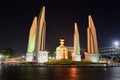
(109, 50)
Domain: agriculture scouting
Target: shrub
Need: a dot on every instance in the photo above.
(67, 62)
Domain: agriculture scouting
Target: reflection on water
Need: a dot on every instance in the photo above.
(73, 72)
(59, 73)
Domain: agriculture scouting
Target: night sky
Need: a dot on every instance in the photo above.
(16, 17)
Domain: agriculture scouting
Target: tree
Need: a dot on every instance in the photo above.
(52, 55)
(7, 52)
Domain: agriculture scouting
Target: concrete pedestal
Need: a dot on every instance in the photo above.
(42, 56)
(37, 56)
(92, 57)
(29, 57)
(76, 58)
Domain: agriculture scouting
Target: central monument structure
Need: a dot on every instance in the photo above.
(92, 54)
(61, 51)
(36, 45)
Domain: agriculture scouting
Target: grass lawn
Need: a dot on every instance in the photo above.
(68, 62)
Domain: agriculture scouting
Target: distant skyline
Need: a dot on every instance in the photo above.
(16, 18)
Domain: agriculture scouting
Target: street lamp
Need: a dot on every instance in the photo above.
(116, 44)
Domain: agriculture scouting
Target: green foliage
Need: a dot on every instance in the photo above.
(7, 52)
(52, 54)
(112, 57)
(116, 58)
(67, 62)
(106, 56)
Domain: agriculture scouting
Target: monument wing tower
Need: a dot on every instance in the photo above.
(36, 45)
(76, 56)
(92, 54)
(92, 38)
(76, 40)
(32, 36)
(41, 31)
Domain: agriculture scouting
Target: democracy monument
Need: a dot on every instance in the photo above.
(36, 45)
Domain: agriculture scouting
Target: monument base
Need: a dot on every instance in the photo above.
(42, 56)
(29, 57)
(37, 56)
(92, 57)
(77, 58)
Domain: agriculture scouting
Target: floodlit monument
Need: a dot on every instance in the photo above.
(61, 51)
(36, 44)
(92, 54)
(31, 42)
(76, 54)
(32, 36)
